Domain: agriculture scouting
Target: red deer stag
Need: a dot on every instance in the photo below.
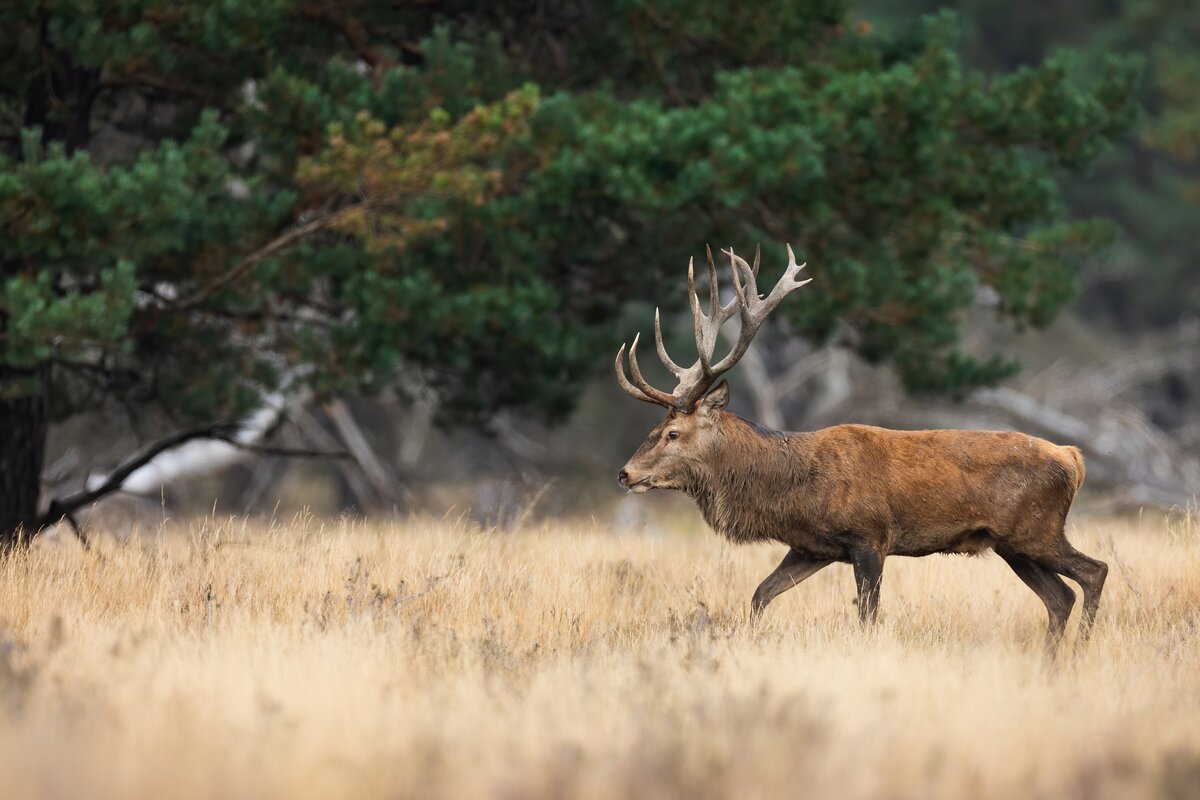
(854, 493)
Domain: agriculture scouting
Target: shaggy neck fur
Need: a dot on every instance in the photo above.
(749, 477)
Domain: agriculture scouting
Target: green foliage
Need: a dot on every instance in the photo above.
(1149, 185)
(1159, 205)
(44, 323)
(202, 201)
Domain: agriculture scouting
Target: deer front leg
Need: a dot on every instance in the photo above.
(868, 575)
(794, 568)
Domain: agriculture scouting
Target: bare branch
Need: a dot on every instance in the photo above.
(272, 248)
(60, 508)
(284, 452)
(64, 508)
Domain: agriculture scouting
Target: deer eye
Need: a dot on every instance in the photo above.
(672, 435)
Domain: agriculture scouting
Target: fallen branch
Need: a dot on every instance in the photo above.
(285, 452)
(64, 508)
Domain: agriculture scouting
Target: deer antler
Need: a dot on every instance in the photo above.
(695, 381)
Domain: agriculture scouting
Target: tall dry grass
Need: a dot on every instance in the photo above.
(430, 660)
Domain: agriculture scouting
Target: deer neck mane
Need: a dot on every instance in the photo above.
(745, 478)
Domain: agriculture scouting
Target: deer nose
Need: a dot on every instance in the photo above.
(623, 477)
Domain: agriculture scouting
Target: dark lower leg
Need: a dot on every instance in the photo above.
(1053, 592)
(1089, 574)
(868, 575)
(792, 570)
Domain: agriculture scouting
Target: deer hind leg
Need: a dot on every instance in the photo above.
(794, 568)
(868, 576)
(1088, 573)
(1053, 591)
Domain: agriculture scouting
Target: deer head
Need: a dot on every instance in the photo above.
(664, 458)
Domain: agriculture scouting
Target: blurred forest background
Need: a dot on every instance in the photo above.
(413, 234)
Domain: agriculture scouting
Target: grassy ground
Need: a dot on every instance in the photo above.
(427, 660)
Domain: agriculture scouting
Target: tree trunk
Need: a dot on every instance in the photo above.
(24, 419)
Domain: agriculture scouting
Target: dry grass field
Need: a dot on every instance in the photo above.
(431, 660)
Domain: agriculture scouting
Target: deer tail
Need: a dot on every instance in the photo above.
(1077, 457)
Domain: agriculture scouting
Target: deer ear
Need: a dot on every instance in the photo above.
(716, 400)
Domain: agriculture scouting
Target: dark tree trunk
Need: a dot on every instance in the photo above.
(24, 419)
(24, 393)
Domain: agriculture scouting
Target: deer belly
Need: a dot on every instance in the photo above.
(971, 542)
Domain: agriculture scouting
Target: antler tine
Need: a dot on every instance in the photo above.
(662, 349)
(664, 398)
(718, 311)
(788, 283)
(706, 335)
(634, 391)
(754, 315)
(737, 282)
(749, 294)
(714, 293)
(693, 300)
(630, 389)
(758, 257)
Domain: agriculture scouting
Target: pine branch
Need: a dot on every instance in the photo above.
(272, 248)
